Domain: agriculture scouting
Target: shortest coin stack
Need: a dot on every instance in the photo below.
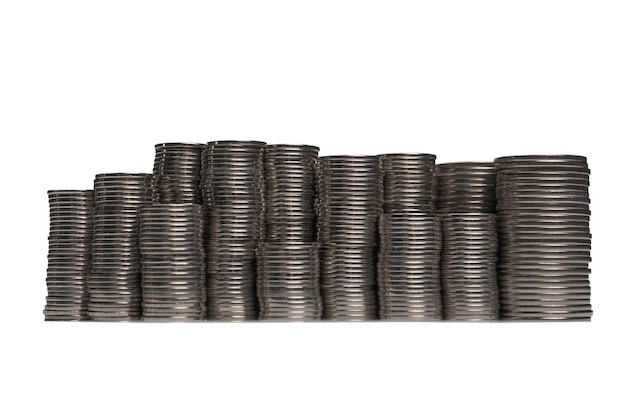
(172, 258)
(288, 281)
(469, 274)
(69, 254)
(408, 267)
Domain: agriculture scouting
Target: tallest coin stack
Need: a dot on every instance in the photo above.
(232, 186)
(545, 242)
(288, 263)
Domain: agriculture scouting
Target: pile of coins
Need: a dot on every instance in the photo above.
(349, 206)
(288, 265)
(288, 281)
(69, 254)
(410, 240)
(469, 276)
(176, 173)
(545, 241)
(240, 230)
(172, 260)
(115, 279)
(232, 190)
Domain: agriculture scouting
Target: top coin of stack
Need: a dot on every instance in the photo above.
(176, 173)
(232, 185)
(545, 242)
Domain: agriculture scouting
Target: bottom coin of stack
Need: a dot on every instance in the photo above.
(172, 257)
(69, 254)
(408, 267)
(469, 276)
(288, 281)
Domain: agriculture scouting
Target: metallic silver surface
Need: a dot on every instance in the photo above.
(176, 173)
(545, 242)
(469, 276)
(233, 196)
(408, 269)
(171, 241)
(69, 254)
(349, 205)
(115, 278)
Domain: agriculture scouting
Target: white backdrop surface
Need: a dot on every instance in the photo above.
(89, 87)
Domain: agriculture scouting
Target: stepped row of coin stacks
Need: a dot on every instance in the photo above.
(241, 230)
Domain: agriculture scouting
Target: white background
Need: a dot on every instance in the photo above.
(89, 87)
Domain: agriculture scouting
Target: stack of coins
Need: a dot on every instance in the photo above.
(545, 241)
(290, 192)
(172, 261)
(115, 280)
(69, 254)
(176, 173)
(288, 281)
(410, 247)
(467, 203)
(469, 277)
(232, 186)
(466, 187)
(410, 240)
(288, 265)
(349, 207)
(410, 183)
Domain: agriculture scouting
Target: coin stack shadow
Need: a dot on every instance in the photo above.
(177, 172)
(410, 240)
(545, 241)
(115, 279)
(349, 206)
(172, 261)
(232, 191)
(288, 264)
(467, 204)
(69, 254)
